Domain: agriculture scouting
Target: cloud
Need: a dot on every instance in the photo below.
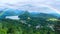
(31, 5)
(20, 2)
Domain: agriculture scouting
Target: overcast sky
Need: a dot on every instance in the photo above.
(30, 4)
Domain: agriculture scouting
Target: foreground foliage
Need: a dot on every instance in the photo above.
(29, 24)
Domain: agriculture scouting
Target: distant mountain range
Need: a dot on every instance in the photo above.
(11, 12)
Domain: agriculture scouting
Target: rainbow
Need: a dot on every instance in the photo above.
(56, 10)
(43, 5)
(3, 11)
(48, 6)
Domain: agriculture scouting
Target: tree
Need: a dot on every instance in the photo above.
(24, 16)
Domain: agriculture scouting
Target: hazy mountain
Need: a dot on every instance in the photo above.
(10, 12)
(14, 12)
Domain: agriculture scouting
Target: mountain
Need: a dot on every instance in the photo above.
(43, 15)
(16, 12)
(11, 12)
(31, 8)
(34, 15)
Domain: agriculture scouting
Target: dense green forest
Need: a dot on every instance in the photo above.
(31, 24)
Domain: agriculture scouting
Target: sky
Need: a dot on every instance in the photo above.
(31, 5)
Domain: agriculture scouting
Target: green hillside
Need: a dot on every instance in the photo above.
(28, 24)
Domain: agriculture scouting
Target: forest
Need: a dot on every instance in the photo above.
(31, 24)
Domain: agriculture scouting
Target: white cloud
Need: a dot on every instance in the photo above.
(20, 2)
(27, 4)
